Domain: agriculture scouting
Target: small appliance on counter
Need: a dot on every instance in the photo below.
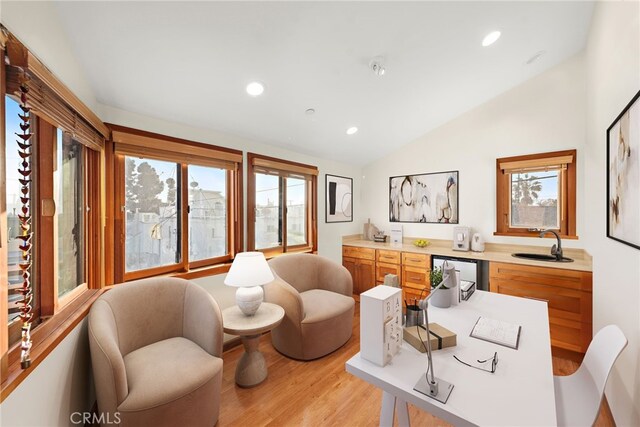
(477, 243)
(396, 235)
(461, 238)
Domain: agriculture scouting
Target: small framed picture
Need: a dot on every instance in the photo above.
(623, 176)
(338, 198)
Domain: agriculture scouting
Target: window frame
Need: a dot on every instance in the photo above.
(567, 195)
(294, 168)
(184, 268)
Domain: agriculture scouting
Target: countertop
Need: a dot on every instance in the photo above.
(493, 252)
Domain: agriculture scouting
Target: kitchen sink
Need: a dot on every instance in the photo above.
(540, 257)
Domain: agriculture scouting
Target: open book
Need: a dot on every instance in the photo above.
(497, 331)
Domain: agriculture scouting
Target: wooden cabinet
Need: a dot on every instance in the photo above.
(567, 293)
(369, 266)
(415, 275)
(361, 264)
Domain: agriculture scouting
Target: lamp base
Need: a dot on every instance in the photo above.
(249, 299)
(442, 392)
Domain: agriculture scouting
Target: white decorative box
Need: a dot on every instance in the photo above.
(380, 324)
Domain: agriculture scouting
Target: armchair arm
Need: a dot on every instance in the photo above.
(108, 363)
(202, 320)
(334, 277)
(286, 296)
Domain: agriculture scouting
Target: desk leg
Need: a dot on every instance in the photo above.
(402, 409)
(389, 405)
(387, 410)
(252, 368)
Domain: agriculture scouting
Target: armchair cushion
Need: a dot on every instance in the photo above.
(321, 305)
(152, 371)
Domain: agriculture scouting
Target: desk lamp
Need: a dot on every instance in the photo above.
(428, 384)
(248, 273)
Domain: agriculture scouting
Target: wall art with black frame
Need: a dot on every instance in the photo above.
(623, 176)
(427, 198)
(338, 200)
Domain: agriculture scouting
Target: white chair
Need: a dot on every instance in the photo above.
(578, 396)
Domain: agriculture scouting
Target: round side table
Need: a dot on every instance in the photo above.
(252, 368)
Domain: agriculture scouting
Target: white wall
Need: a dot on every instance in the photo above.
(613, 78)
(60, 385)
(36, 24)
(544, 114)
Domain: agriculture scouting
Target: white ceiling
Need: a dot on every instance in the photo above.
(190, 62)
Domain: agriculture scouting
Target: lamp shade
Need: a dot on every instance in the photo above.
(249, 269)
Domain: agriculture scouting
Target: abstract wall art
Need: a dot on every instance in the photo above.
(338, 203)
(623, 176)
(428, 198)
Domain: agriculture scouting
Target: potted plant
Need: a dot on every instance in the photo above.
(442, 297)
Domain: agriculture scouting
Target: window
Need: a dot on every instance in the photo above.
(177, 204)
(537, 192)
(281, 205)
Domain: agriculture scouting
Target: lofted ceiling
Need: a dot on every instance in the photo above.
(190, 62)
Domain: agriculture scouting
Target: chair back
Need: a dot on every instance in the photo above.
(298, 270)
(602, 353)
(147, 311)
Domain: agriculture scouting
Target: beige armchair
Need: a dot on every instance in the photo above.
(156, 348)
(316, 294)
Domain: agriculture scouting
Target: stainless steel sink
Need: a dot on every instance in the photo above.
(540, 257)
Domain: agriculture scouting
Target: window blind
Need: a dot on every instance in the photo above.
(287, 170)
(544, 164)
(48, 105)
(131, 144)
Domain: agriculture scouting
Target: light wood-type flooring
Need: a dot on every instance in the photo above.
(321, 392)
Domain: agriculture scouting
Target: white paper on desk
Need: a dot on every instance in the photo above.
(497, 331)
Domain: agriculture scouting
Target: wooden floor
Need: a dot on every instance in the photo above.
(321, 392)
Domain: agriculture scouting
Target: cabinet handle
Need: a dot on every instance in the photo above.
(418, 278)
(388, 256)
(414, 260)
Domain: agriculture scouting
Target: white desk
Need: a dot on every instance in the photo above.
(519, 393)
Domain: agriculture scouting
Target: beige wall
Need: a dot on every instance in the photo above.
(613, 78)
(56, 388)
(544, 114)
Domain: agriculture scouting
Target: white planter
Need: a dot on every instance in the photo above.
(441, 298)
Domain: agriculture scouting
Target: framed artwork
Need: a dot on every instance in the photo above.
(338, 199)
(623, 176)
(429, 198)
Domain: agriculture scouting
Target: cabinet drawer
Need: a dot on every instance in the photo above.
(570, 279)
(416, 278)
(382, 269)
(416, 260)
(411, 295)
(563, 303)
(388, 257)
(360, 253)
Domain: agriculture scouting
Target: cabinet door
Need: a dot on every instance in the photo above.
(366, 273)
(351, 265)
(566, 292)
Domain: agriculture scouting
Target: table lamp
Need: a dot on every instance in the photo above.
(428, 384)
(248, 273)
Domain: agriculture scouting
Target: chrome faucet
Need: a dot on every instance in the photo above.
(555, 249)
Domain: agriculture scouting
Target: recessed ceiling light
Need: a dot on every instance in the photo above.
(255, 88)
(490, 38)
(352, 130)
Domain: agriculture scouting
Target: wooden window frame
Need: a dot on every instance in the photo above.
(48, 331)
(568, 184)
(184, 268)
(311, 178)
